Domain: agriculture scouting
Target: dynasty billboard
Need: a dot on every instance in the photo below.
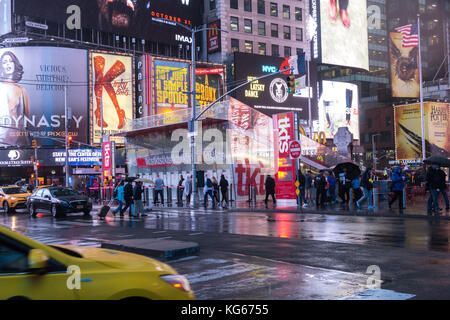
(404, 68)
(338, 107)
(112, 88)
(408, 130)
(152, 20)
(32, 95)
(338, 32)
(270, 95)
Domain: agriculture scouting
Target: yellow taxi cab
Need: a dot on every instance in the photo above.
(32, 270)
(13, 197)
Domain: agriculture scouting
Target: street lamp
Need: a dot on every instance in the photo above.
(374, 151)
(193, 31)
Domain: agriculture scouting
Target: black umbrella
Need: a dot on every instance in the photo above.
(440, 161)
(130, 179)
(353, 170)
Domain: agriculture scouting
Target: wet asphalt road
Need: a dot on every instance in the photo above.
(245, 255)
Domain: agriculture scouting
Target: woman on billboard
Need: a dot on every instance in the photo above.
(14, 102)
(332, 9)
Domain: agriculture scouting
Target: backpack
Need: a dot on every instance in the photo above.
(209, 183)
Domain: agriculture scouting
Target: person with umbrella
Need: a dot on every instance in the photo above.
(320, 183)
(398, 185)
(344, 187)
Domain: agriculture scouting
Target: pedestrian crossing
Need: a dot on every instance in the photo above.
(48, 239)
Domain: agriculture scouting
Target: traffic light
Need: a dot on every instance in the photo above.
(37, 164)
(291, 83)
(69, 140)
(34, 143)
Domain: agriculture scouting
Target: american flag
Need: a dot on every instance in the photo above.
(410, 35)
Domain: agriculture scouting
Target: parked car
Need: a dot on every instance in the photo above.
(32, 270)
(58, 201)
(13, 197)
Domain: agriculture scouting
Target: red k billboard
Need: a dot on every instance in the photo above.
(284, 133)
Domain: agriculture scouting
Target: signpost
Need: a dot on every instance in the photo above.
(295, 149)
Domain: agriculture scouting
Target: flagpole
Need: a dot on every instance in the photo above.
(421, 93)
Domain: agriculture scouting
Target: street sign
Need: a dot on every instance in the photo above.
(295, 149)
(297, 184)
(36, 25)
(297, 192)
(16, 40)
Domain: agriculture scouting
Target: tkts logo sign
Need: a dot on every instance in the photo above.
(284, 135)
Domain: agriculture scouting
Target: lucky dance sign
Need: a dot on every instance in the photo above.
(284, 166)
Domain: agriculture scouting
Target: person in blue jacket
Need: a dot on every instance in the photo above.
(398, 185)
(119, 195)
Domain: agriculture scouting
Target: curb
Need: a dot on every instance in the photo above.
(364, 213)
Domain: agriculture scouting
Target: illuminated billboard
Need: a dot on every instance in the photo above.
(5, 17)
(404, 68)
(270, 95)
(338, 32)
(152, 20)
(32, 95)
(170, 85)
(338, 107)
(408, 130)
(112, 88)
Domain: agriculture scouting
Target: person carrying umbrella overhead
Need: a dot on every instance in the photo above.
(344, 187)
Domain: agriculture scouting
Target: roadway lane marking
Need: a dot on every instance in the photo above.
(159, 231)
(194, 234)
(163, 238)
(379, 294)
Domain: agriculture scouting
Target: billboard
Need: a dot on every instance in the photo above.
(171, 80)
(269, 95)
(408, 132)
(136, 18)
(209, 86)
(214, 38)
(338, 32)
(112, 88)
(404, 64)
(5, 17)
(338, 107)
(32, 94)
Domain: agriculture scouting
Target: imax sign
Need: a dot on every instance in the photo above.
(183, 38)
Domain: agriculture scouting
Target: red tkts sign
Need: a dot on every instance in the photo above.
(284, 165)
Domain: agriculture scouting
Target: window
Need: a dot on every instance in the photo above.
(248, 5)
(299, 51)
(234, 45)
(13, 258)
(388, 121)
(299, 34)
(287, 51)
(39, 193)
(234, 24)
(286, 12)
(286, 32)
(261, 28)
(248, 46)
(275, 50)
(273, 9)
(212, 4)
(298, 14)
(261, 7)
(274, 30)
(234, 4)
(262, 48)
(248, 25)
